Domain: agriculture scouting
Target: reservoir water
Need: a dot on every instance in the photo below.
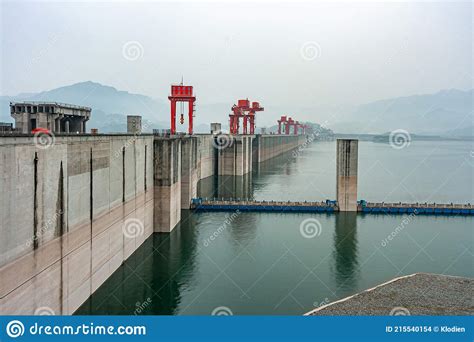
(269, 263)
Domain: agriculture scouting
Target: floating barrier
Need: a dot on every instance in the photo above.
(329, 206)
(415, 208)
(255, 206)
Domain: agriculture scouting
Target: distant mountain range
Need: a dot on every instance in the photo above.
(447, 112)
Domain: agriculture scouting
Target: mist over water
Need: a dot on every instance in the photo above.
(261, 263)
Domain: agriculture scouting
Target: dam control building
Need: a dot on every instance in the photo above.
(54, 116)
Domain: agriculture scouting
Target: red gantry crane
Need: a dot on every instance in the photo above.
(295, 127)
(280, 122)
(247, 112)
(289, 123)
(251, 115)
(303, 127)
(182, 93)
(286, 123)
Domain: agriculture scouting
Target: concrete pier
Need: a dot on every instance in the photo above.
(206, 155)
(189, 171)
(235, 155)
(167, 183)
(346, 173)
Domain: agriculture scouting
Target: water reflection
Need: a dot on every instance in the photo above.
(279, 164)
(226, 187)
(152, 280)
(174, 264)
(345, 252)
(243, 228)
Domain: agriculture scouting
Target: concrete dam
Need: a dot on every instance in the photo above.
(73, 212)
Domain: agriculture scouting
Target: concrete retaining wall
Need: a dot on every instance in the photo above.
(64, 210)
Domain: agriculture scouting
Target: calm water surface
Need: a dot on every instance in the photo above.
(261, 263)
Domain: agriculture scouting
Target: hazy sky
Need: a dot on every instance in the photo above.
(281, 53)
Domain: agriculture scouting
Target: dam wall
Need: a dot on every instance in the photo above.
(167, 183)
(71, 214)
(267, 146)
(179, 163)
(74, 209)
(207, 154)
(234, 156)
